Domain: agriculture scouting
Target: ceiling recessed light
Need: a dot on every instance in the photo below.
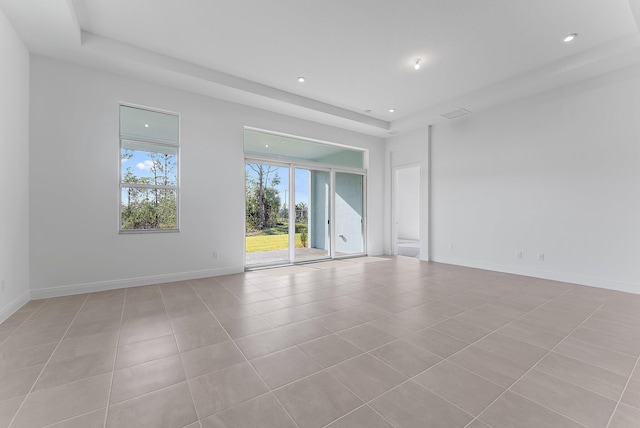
(570, 37)
(392, 110)
(416, 63)
(301, 79)
(146, 125)
(367, 111)
(266, 145)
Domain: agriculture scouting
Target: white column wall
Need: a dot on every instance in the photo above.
(14, 170)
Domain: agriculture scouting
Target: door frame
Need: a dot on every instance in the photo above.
(394, 205)
(244, 241)
(292, 164)
(364, 213)
(292, 213)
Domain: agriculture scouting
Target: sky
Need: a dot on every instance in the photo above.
(302, 183)
(140, 164)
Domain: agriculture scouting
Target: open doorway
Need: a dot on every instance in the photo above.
(312, 191)
(406, 211)
(267, 231)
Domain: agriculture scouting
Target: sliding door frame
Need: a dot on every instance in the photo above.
(281, 164)
(363, 226)
(292, 164)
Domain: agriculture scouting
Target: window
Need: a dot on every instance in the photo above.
(261, 144)
(149, 143)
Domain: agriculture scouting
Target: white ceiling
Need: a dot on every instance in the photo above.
(355, 54)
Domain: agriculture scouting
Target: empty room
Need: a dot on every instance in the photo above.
(308, 214)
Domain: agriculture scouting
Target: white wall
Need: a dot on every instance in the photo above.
(404, 150)
(557, 174)
(75, 245)
(14, 169)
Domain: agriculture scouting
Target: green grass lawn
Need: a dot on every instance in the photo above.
(270, 242)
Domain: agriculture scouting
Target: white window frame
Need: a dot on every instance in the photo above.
(151, 142)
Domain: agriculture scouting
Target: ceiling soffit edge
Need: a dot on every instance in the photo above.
(104, 46)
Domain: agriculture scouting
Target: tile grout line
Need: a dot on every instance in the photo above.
(541, 358)
(534, 366)
(86, 413)
(411, 378)
(407, 308)
(354, 357)
(269, 391)
(572, 383)
(599, 347)
(73, 417)
(390, 314)
(386, 315)
(48, 360)
(492, 300)
(356, 409)
(443, 333)
(635, 367)
(23, 322)
(469, 345)
(398, 339)
(367, 302)
(107, 406)
(345, 294)
(164, 305)
(368, 352)
(602, 347)
(115, 358)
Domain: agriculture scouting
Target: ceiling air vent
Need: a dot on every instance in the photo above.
(455, 113)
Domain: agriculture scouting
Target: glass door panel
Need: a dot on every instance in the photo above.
(349, 214)
(267, 214)
(312, 189)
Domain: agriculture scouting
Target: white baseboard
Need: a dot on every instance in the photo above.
(92, 287)
(12, 307)
(543, 274)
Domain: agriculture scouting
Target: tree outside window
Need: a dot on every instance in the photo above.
(149, 170)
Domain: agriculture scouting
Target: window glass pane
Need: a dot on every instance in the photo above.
(260, 143)
(148, 209)
(349, 209)
(312, 214)
(145, 163)
(267, 214)
(144, 124)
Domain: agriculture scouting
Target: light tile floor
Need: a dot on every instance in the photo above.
(370, 342)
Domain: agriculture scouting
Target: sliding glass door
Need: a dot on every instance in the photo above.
(312, 194)
(298, 213)
(266, 214)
